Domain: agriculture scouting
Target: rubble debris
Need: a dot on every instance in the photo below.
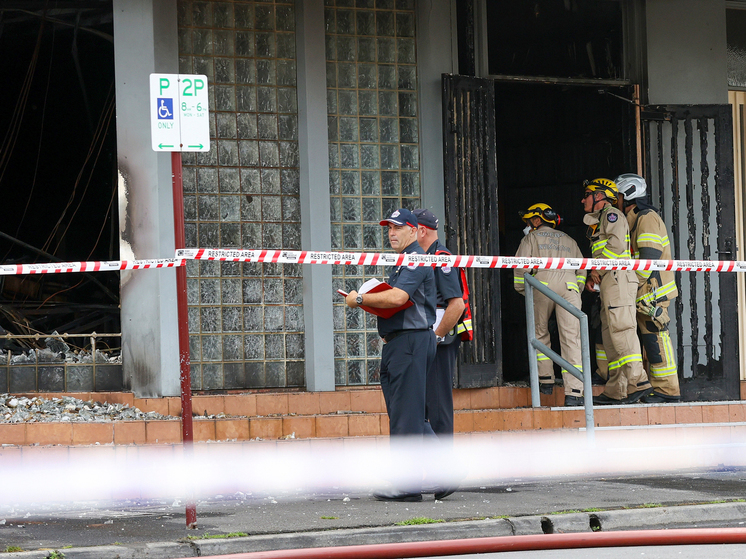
(18, 409)
(46, 355)
(56, 345)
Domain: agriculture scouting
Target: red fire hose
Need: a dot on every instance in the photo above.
(507, 543)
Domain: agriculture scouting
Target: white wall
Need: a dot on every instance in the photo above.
(145, 34)
(686, 47)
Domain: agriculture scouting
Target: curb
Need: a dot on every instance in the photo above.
(695, 516)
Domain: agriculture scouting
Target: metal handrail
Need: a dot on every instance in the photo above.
(533, 345)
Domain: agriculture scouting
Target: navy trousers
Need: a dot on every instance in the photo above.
(405, 361)
(439, 399)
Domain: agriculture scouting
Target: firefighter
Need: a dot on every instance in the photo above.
(649, 240)
(542, 240)
(609, 235)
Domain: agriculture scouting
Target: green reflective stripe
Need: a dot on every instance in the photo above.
(600, 354)
(659, 372)
(542, 357)
(518, 280)
(581, 280)
(578, 367)
(573, 286)
(668, 349)
(599, 245)
(659, 294)
(645, 274)
(613, 256)
(664, 290)
(652, 238)
(647, 297)
(632, 358)
(462, 327)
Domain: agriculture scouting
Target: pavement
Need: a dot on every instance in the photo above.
(711, 497)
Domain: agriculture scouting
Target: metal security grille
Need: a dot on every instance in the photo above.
(471, 216)
(374, 158)
(245, 320)
(689, 165)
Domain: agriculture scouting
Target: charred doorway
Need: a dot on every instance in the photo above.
(549, 138)
(58, 184)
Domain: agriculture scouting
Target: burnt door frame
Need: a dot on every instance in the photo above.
(697, 202)
(471, 219)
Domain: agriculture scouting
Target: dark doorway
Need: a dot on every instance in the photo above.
(550, 138)
(58, 164)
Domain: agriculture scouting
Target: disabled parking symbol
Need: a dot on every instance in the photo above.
(165, 108)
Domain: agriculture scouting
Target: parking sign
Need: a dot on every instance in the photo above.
(179, 115)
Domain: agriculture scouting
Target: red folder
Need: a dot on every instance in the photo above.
(384, 313)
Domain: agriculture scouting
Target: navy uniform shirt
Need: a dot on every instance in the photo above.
(419, 284)
(447, 282)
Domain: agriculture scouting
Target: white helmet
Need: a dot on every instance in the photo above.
(631, 186)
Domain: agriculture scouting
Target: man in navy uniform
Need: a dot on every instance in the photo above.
(450, 308)
(409, 350)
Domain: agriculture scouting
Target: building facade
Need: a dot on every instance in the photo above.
(328, 114)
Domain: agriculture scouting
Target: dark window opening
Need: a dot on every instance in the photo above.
(735, 21)
(549, 139)
(555, 38)
(58, 166)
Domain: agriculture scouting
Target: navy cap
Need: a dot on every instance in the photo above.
(426, 218)
(402, 216)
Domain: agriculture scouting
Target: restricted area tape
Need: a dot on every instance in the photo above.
(456, 260)
(376, 259)
(71, 267)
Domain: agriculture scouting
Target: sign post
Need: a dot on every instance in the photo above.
(180, 121)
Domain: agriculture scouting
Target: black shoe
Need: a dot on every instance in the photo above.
(658, 398)
(635, 396)
(546, 388)
(597, 380)
(571, 401)
(604, 400)
(398, 496)
(443, 492)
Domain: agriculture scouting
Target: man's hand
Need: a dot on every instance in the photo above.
(593, 279)
(350, 299)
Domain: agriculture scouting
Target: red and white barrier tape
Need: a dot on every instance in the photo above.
(376, 259)
(67, 267)
(457, 261)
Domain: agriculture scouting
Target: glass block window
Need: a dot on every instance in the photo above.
(245, 320)
(371, 78)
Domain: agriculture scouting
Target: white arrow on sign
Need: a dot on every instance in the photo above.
(179, 112)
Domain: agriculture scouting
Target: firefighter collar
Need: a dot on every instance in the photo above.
(592, 218)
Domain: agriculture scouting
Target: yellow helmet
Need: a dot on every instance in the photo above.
(544, 211)
(608, 187)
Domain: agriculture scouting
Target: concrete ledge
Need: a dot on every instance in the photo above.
(358, 536)
(671, 517)
(567, 523)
